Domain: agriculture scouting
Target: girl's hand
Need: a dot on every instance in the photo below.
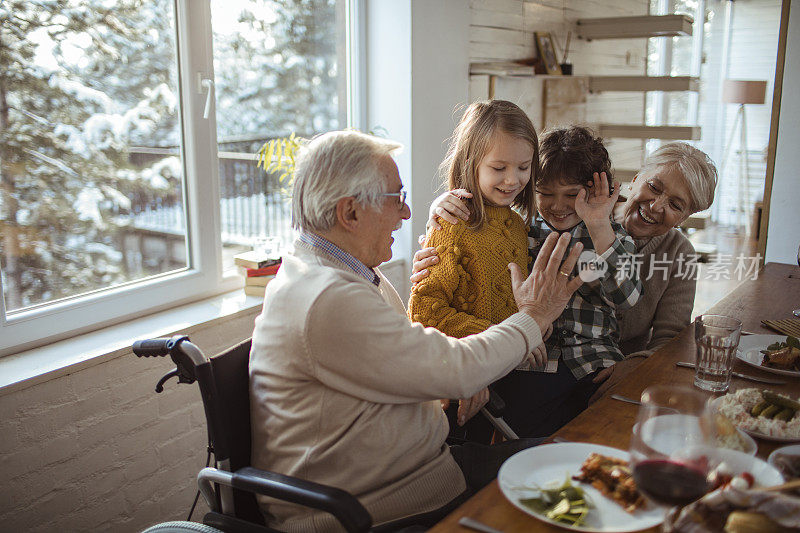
(469, 407)
(450, 206)
(596, 204)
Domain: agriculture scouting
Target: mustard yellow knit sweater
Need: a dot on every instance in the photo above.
(470, 288)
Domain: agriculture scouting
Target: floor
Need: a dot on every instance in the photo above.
(734, 262)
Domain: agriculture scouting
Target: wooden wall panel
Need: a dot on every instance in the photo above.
(504, 30)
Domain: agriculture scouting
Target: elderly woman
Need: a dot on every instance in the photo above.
(676, 181)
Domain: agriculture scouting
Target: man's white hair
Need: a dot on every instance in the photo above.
(333, 166)
(694, 165)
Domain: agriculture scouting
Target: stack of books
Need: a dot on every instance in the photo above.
(259, 270)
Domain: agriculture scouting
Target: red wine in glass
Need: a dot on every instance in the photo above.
(670, 482)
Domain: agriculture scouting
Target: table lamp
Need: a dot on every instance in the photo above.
(742, 92)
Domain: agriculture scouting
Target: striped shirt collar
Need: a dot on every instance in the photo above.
(315, 241)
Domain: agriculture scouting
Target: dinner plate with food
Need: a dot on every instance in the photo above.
(579, 486)
(772, 353)
(762, 414)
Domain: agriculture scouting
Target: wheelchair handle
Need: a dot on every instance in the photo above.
(159, 347)
(186, 356)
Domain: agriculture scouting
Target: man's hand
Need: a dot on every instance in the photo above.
(449, 206)
(546, 292)
(469, 407)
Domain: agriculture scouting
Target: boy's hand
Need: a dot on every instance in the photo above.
(594, 206)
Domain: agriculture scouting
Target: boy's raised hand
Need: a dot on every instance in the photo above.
(596, 204)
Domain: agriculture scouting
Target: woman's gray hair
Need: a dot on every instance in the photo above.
(694, 165)
(333, 166)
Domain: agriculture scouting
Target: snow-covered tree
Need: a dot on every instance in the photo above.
(82, 82)
(64, 132)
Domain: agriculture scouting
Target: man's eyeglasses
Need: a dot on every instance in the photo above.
(400, 195)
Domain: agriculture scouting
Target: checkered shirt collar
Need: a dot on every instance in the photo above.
(351, 262)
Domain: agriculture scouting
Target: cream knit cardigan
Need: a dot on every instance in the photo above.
(344, 390)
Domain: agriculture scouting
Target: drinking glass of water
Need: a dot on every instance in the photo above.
(671, 450)
(716, 337)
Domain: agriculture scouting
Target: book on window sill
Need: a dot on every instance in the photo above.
(266, 271)
(255, 290)
(258, 281)
(255, 260)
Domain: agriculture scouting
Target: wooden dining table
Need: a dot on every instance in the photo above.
(772, 295)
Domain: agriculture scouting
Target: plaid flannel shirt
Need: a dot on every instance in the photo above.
(586, 335)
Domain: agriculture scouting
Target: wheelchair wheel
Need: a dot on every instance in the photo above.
(181, 527)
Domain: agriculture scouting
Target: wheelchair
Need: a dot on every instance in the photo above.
(230, 487)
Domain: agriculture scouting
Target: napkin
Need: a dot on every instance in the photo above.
(788, 326)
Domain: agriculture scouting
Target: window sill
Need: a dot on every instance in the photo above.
(28, 368)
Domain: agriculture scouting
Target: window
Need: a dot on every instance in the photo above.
(277, 71)
(112, 203)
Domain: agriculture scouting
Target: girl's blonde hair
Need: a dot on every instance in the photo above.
(472, 140)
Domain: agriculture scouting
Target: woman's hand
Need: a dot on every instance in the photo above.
(596, 204)
(449, 206)
(469, 407)
(547, 333)
(538, 357)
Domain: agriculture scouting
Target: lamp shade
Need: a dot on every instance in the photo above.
(744, 91)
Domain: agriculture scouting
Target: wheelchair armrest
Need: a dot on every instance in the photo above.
(341, 504)
(496, 405)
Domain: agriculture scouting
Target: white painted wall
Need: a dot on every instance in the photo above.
(417, 67)
(783, 236)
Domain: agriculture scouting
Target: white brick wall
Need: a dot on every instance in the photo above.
(99, 450)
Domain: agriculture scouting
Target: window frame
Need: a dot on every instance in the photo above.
(203, 276)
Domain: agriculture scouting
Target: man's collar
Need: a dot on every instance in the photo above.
(321, 243)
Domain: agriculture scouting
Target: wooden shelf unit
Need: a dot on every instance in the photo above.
(643, 83)
(632, 131)
(628, 27)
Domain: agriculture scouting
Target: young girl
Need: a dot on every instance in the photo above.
(573, 195)
(493, 154)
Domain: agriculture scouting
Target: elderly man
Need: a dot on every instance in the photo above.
(343, 389)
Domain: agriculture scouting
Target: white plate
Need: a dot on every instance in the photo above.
(757, 434)
(672, 435)
(792, 449)
(552, 464)
(764, 474)
(749, 351)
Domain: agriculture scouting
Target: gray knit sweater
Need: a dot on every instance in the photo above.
(665, 308)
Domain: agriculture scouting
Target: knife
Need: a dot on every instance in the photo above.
(738, 375)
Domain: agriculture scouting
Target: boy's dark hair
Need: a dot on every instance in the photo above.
(571, 155)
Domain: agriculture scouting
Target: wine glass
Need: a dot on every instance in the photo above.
(671, 444)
